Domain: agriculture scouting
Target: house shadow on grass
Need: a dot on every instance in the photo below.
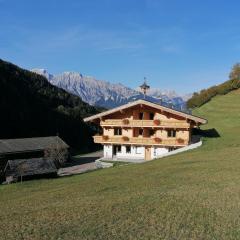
(208, 133)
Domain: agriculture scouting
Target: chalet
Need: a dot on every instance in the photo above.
(143, 130)
(30, 150)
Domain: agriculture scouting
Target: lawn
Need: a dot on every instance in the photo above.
(193, 195)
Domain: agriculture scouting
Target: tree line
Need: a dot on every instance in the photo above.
(205, 95)
(31, 107)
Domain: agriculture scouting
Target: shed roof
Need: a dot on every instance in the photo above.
(147, 103)
(29, 167)
(29, 144)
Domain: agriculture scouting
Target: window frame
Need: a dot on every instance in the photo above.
(151, 115)
(128, 149)
(118, 148)
(142, 115)
(117, 131)
(151, 132)
(154, 151)
(140, 130)
(171, 133)
(136, 150)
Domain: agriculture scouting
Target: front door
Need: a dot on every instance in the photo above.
(147, 153)
(116, 149)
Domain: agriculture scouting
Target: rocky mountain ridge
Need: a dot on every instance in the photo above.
(106, 94)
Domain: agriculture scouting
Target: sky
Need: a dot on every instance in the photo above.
(182, 45)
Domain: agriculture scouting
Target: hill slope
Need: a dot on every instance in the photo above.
(205, 95)
(193, 195)
(30, 106)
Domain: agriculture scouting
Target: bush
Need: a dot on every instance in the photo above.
(125, 121)
(125, 139)
(105, 138)
(157, 140)
(156, 122)
(205, 95)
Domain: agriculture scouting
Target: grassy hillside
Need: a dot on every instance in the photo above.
(193, 195)
(205, 95)
(31, 107)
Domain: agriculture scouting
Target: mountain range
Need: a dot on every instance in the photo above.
(108, 95)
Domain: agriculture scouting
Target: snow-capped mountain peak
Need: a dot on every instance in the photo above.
(42, 72)
(106, 94)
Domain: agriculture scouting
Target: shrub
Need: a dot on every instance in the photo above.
(157, 140)
(156, 122)
(125, 138)
(125, 121)
(105, 138)
(180, 140)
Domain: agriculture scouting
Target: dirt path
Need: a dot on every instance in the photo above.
(81, 164)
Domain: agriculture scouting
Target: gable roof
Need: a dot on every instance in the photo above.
(30, 167)
(147, 103)
(29, 144)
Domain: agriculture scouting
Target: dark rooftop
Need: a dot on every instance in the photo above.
(29, 144)
(29, 167)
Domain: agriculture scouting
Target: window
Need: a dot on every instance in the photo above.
(171, 149)
(138, 150)
(128, 149)
(140, 131)
(171, 133)
(118, 148)
(141, 115)
(117, 131)
(154, 151)
(151, 116)
(151, 132)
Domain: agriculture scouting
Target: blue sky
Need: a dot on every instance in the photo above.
(184, 45)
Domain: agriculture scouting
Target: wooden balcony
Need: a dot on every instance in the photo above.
(171, 142)
(144, 123)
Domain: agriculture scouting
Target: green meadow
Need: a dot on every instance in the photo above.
(193, 195)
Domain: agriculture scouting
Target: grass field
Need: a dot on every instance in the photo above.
(193, 195)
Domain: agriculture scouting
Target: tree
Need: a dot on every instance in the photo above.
(235, 72)
(57, 153)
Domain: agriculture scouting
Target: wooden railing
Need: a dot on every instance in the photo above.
(144, 123)
(141, 141)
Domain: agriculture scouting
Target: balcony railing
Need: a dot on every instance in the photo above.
(141, 141)
(144, 123)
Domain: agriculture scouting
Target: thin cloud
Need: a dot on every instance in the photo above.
(77, 37)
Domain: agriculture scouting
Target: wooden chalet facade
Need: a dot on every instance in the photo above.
(143, 130)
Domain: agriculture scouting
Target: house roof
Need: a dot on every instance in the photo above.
(29, 167)
(29, 144)
(147, 103)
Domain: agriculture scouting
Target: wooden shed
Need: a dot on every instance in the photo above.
(21, 168)
(28, 148)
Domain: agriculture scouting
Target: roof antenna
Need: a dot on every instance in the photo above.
(144, 87)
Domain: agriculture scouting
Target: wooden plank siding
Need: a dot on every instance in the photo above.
(173, 142)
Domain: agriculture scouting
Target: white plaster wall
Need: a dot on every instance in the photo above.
(158, 152)
(183, 149)
(108, 131)
(138, 151)
(108, 151)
